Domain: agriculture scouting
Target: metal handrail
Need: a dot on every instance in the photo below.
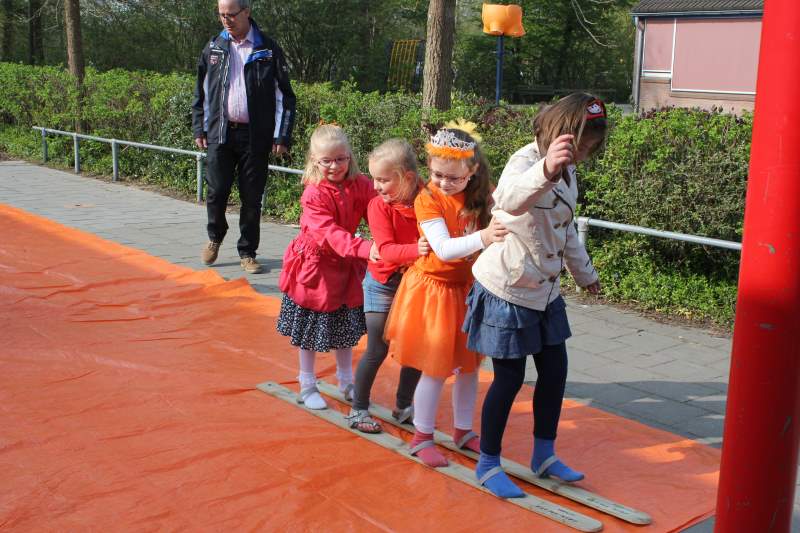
(583, 222)
(116, 143)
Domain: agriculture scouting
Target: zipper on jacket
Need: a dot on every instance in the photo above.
(224, 94)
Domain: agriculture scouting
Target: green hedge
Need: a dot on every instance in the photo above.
(154, 108)
(676, 170)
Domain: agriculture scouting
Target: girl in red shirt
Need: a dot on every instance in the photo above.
(393, 166)
(323, 266)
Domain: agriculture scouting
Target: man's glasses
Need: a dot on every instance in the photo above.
(229, 16)
(453, 180)
(327, 162)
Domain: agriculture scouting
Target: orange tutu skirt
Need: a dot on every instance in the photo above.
(423, 329)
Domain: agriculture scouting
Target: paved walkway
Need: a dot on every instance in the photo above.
(669, 377)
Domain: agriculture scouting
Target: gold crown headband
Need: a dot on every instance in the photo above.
(446, 144)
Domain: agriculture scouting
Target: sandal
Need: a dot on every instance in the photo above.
(405, 415)
(347, 392)
(361, 420)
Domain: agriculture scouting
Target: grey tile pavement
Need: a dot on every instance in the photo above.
(666, 376)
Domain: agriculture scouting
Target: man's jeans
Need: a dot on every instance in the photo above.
(223, 162)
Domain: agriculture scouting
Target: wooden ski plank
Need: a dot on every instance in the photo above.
(550, 510)
(512, 468)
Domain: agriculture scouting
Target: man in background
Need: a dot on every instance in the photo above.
(243, 108)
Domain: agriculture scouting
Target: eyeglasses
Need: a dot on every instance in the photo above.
(229, 16)
(453, 180)
(327, 162)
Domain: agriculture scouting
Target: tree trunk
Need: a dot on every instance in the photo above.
(563, 60)
(72, 26)
(438, 73)
(35, 40)
(5, 45)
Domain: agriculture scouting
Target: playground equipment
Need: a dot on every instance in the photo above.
(405, 65)
(501, 20)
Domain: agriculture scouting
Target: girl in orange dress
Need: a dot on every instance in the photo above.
(424, 324)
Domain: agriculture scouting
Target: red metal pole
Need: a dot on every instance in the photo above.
(760, 444)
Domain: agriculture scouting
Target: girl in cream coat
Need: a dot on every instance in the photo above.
(515, 307)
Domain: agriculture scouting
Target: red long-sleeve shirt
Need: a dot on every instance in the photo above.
(394, 230)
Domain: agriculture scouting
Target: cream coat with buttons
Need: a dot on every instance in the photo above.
(526, 267)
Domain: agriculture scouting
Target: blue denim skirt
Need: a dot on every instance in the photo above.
(378, 296)
(503, 330)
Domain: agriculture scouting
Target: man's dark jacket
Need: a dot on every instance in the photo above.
(269, 94)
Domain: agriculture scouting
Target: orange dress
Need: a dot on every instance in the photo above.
(423, 328)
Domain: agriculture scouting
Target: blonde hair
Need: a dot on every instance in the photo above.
(324, 136)
(400, 155)
(568, 116)
(476, 194)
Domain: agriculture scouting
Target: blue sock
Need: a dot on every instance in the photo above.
(543, 449)
(499, 484)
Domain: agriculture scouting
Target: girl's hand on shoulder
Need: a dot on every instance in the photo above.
(560, 154)
(374, 255)
(494, 232)
(594, 288)
(423, 246)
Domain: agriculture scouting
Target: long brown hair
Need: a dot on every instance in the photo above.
(476, 194)
(568, 116)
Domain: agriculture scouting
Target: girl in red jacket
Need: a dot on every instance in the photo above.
(323, 266)
(393, 166)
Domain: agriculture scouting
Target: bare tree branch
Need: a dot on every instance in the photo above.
(581, 19)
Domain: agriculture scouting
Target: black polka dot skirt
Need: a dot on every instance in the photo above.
(318, 331)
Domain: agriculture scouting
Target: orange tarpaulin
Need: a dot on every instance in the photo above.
(128, 402)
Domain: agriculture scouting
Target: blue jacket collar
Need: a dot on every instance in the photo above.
(258, 38)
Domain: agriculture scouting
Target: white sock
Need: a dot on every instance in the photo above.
(344, 367)
(315, 401)
(426, 402)
(465, 392)
(307, 358)
(308, 378)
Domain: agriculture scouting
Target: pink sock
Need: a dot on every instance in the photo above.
(430, 456)
(473, 444)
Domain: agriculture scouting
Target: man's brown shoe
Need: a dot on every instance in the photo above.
(251, 266)
(210, 252)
